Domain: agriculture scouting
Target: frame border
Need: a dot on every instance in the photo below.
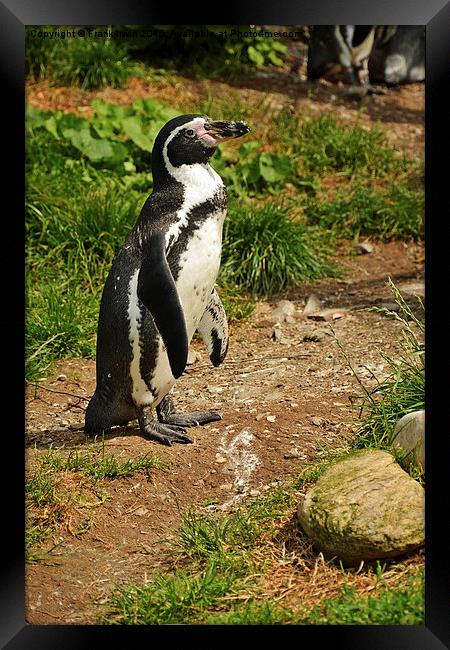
(14, 16)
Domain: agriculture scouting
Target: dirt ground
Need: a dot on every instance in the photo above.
(285, 390)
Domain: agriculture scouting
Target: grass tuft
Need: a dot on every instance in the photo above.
(404, 390)
(266, 252)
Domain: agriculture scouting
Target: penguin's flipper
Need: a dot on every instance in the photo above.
(213, 328)
(157, 291)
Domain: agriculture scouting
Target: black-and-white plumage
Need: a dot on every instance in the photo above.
(160, 288)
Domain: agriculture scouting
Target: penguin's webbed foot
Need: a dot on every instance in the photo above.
(192, 418)
(166, 434)
(163, 433)
(167, 415)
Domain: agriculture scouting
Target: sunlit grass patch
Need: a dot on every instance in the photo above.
(265, 251)
(63, 487)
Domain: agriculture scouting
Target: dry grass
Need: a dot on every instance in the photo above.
(299, 577)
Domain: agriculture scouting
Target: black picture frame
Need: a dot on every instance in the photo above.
(14, 16)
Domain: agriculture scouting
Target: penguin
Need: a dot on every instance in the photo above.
(160, 288)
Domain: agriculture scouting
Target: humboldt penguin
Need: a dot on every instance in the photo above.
(160, 289)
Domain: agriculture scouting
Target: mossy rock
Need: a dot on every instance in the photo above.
(364, 507)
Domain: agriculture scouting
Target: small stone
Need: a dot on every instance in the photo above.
(285, 311)
(292, 453)
(364, 247)
(140, 512)
(409, 439)
(214, 389)
(313, 305)
(227, 487)
(276, 334)
(328, 314)
(61, 377)
(271, 418)
(317, 421)
(314, 337)
(192, 357)
(220, 458)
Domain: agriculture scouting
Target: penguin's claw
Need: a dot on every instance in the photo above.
(191, 419)
(165, 434)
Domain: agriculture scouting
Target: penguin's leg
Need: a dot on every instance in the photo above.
(213, 328)
(167, 414)
(164, 433)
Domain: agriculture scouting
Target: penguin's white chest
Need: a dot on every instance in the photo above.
(199, 266)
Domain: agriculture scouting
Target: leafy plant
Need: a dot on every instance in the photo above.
(253, 172)
(114, 135)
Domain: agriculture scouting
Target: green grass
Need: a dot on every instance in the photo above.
(392, 211)
(325, 144)
(93, 61)
(90, 63)
(94, 463)
(404, 390)
(266, 251)
(404, 605)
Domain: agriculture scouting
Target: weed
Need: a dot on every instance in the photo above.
(51, 504)
(224, 557)
(94, 463)
(403, 391)
(324, 144)
(390, 212)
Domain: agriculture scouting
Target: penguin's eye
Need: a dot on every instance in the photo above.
(190, 132)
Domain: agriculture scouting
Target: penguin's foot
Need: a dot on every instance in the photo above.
(191, 419)
(165, 434)
(167, 415)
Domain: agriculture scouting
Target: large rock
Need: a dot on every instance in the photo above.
(409, 439)
(364, 507)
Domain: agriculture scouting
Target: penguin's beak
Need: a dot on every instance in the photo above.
(221, 131)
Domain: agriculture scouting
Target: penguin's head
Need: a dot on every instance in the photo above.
(190, 139)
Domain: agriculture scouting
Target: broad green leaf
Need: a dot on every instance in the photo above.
(133, 128)
(274, 58)
(34, 117)
(248, 147)
(95, 149)
(279, 46)
(129, 166)
(111, 114)
(104, 128)
(50, 125)
(274, 168)
(154, 109)
(250, 172)
(255, 56)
